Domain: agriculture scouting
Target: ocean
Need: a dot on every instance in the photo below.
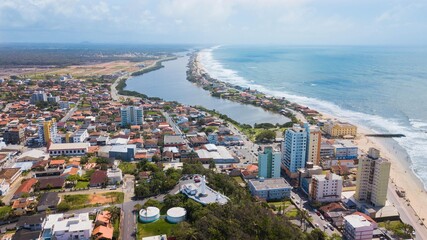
(381, 88)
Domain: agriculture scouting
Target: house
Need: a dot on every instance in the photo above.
(150, 143)
(65, 227)
(29, 227)
(54, 182)
(48, 200)
(98, 179)
(26, 187)
(173, 141)
(10, 174)
(114, 175)
(40, 166)
(71, 172)
(33, 155)
(58, 164)
(23, 205)
(4, 187)
(103, 228)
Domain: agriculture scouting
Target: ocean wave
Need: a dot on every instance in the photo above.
(414, 143)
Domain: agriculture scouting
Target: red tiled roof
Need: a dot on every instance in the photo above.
(26, 186)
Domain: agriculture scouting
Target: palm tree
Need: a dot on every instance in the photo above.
(303, 215)
(408, 229)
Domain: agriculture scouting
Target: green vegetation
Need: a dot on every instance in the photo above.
(265, 136)
(115, 219)
(158, 227)
(238, 179)
(241, 218)
(128, 168)
(76, 199)
(5, 212)
(82, 184)
(156, 66)
(116, 197)
(399, 229)
(160, 182)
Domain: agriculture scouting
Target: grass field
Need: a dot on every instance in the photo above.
(78, 201)
(292, 213)
(239, 180)
(158, 227)
(82, 184)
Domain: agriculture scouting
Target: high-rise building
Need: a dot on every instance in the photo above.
(132, 115)
(294, 150)
(47, 131)
(372, 178)
(326, 188)
(14, 135)
(313, 143)
(39, 96)
(269, 163)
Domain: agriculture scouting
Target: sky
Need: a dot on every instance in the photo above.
(293, 22)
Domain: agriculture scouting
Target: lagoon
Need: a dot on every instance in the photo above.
(170, 83)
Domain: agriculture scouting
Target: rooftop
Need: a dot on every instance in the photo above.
(269, 183)
(357, 221)
(67, 146)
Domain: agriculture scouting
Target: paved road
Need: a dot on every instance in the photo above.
(302, 203)
(407, 214)
(70, 113)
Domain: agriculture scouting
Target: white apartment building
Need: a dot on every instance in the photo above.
(65, 227)
(326, 188)
(132, 115)
(357, 227)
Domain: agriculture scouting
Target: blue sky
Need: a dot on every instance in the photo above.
(357, 22)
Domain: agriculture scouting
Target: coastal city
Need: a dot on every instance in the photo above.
(83, 157)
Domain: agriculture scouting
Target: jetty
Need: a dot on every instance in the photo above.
(395, 135)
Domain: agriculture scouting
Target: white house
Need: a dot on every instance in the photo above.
(65, 227)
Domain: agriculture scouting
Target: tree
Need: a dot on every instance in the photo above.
(407, 229)
(265, 136)
(137, 207)
(212, 165)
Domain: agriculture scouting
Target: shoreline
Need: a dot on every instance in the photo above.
(401, 173)
(119, 84)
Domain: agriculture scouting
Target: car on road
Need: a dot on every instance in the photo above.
(321, 217)
(113, 188)
(316, 225)
(297, 202)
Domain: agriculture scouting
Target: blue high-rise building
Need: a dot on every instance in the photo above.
(294, 150)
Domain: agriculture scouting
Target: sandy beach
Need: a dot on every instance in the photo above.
(401, 174)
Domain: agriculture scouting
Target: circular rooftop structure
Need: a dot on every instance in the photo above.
(150, 214)
(176, 214)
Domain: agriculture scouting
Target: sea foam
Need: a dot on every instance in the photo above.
(414, 143)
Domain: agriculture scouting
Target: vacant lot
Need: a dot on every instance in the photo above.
(77, 201)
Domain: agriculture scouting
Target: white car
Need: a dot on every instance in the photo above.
(316, 225)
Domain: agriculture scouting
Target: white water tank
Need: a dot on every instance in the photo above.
(150, 214)
(176, 214)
